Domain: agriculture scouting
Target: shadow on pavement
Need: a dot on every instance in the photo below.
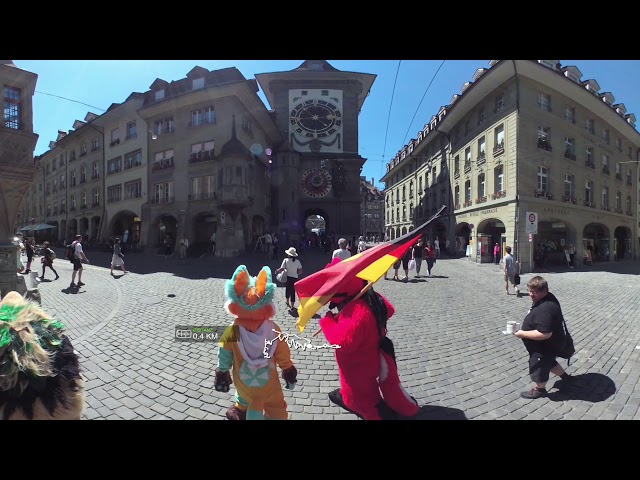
(590, 387)
(434, 412)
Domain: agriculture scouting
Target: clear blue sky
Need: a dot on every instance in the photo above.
(399, 97)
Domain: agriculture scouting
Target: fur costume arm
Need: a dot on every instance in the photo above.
(282, 355)
(352, 324)
(225, 353)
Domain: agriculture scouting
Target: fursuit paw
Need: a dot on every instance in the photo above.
(234, 413)
(223, 381)
(290, 375)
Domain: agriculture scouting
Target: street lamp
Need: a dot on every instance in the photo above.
(153, 135)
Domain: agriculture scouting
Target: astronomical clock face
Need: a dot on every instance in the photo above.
(316, 183)
(315, 120)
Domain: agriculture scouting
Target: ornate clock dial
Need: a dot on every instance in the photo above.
(316, 183)
(316, 118)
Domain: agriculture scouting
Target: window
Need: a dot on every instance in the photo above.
(570, 147)
(133, 189)
(96, 171)
(619, 144)
(62, 181)
(202, 151)
(605, 196)
(499, 179)
(95, 144)
(115, 136)
(63, 206)
(605, 164)
(83, 174)
(202, 187)
(55, 185)
(133, 159)
(629, 204)
(456, 197)
(481, 116)
(499, 136)
(467, 191)
(197, 83)
(419, 184)
(114, 193)
(96, 197)
(481, 185)
(568, 185)
(590, 126)
(114, 166)
(12, 108)
(543, 134)
(570, 114)
(132, 131)
(163, 159)
(467, 157)
(544, 102)
(48, 188)
(543, 179)
(589, 156)
(163, 192)
(164, 125)
(481, 148)
(83, 149)
(433, 176)
(619, 202)
(605, 136)
(203, 116)
(73, 178)
(456, 166)
(629, 153)
(83, 203)
(159, 94)
(588, 194)
(499, 103)
(62, 162)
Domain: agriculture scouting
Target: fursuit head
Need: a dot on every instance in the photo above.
(39, 370)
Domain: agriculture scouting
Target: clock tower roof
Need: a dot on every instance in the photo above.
(316, 66)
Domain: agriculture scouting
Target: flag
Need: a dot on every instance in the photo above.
(317, 289)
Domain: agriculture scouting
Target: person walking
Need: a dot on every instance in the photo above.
(184, 245)
(430, 256)
(118, 258)
(510, 271)
(77, 259)
(274, 246)
(213, 244)
(48, 256)
(417, 251)
(30, 250)
(341, 252)
(572, 255)
(543, 336)
(294, 270)
(436, 244)
(496, 253)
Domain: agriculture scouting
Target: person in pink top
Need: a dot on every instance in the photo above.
(496, 253)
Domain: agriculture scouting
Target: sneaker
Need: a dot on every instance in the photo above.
(73, 285)
(534, 393)
(57, 277)
(80, 284)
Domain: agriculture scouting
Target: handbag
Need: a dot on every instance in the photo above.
(412, 264)
(569, 348)
(516, 279)
(282, 276)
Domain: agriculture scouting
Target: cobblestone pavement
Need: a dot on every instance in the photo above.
(452, 355)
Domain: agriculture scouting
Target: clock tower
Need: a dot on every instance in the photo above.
(317, 169)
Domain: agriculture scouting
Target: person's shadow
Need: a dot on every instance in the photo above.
(435, 412)
(590, 387)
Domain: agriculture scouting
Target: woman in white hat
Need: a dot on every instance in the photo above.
(294, 270)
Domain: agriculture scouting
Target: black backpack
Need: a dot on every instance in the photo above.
(69, 252)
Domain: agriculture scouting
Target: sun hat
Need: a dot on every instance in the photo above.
(291, 251)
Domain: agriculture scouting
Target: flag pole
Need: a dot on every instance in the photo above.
(366, 288)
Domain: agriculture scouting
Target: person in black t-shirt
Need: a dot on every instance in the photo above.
(543, 336)
(417, 250)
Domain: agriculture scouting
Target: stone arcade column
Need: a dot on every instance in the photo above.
(17, 144)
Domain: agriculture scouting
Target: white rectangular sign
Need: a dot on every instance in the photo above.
(531, 222)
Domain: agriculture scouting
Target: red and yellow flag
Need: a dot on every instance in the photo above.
(317, 289)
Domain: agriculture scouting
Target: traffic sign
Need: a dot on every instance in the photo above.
(532, 223)
(530, 237)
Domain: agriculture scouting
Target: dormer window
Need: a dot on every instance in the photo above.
(198, 83)
(159, 94)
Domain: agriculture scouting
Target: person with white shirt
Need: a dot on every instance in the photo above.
(184, 244)
(342, 253)
(294, 270)
(436, 245)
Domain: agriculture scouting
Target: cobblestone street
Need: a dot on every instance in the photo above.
(452, 355)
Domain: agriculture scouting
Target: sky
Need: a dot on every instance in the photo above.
(404, 96)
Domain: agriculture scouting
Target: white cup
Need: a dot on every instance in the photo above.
(512, 327)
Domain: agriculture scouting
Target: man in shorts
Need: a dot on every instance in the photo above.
(77, 259)
(510, 271)
(543, 336)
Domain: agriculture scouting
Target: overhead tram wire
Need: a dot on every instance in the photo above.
(404, 142)
(70, 100)
(384, 149)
